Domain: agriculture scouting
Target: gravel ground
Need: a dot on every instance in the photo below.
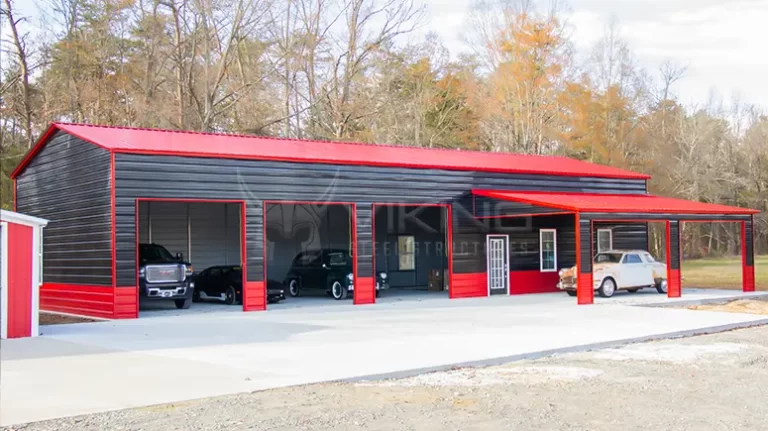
(714, 382)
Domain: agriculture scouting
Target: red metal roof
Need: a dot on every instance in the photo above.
(197, 144)
(610, 203)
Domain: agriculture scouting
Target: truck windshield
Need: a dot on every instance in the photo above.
(155, 252)
(608, 258)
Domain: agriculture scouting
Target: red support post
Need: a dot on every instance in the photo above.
(585, 293)
(674, 279)
(747, 259)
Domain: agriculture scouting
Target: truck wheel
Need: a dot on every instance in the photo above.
(196, 296)
(230, 296)
(183, 304)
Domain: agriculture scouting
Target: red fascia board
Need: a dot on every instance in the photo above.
(613, 203)
(212, 145)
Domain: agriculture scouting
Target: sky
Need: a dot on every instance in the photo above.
(722, 43)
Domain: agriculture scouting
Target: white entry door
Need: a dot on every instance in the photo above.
(497, 254)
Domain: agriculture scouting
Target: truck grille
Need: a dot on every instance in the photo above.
(164, 273)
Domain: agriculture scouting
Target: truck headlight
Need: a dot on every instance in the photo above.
(188, 270)
(349, 277)
(383, 275)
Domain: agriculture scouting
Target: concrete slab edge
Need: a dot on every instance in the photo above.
(690, 302)
(482, 363)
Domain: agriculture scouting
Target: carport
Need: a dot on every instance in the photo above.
(589, 209)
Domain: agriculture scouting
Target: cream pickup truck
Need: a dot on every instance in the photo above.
(614, 270)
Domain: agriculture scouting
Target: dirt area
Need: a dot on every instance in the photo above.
(60, 319)
(714, 382)
(748, 306)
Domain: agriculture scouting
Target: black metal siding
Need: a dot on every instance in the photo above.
(585, 249)
(674, 244)
(68, 182)
(364, 229)
(254, 181)
(750, 242)
(489, 207)
(626, 236)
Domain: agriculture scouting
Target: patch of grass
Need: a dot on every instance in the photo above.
(722, 273)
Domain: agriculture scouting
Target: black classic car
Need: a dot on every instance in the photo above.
(328, 270)
(226, 282)
(163, 276)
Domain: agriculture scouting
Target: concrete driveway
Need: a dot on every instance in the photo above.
(85, 368)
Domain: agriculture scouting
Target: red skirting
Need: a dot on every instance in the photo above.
(470, 285)
(748, 278)
(93, 301)
(365, 291)
(521, 282)
(126, 306)
(674, 283)
(254, 296)
(585, 291)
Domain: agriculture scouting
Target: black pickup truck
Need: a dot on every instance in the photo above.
(163, 276)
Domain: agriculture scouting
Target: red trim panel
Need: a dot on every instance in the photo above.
(522, 282)
(365, 291)
(93, 301)
(585, 291)
(472, 285)
(674, 283)
(254, 296)
(19, 280)
(125, 304)
(196, 144)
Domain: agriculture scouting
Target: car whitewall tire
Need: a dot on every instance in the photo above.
(661, 287)
(337, 290)
(607, 288)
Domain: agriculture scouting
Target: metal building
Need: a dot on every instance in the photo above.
(504, 223)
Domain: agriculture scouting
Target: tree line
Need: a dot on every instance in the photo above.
(361, 70)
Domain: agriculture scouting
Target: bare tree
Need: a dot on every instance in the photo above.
(21, 49)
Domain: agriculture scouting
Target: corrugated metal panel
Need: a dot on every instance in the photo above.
(749, 227)
(585, 250)
(256, 181)
(626, 236)
(674, 244)
(168, 221)
(233, 240)
(68, 183)
(129, 140)
(489, 207)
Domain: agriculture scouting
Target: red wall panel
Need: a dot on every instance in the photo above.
(125, 303)
(748, 278)
(94, 301)
(521, 282)
(19, 281)
(469, 285)
(674, 283)
(365, 291)
(254, 296)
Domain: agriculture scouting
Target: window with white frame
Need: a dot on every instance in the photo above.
(548, 250)
(406, 253)
(604, 240)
